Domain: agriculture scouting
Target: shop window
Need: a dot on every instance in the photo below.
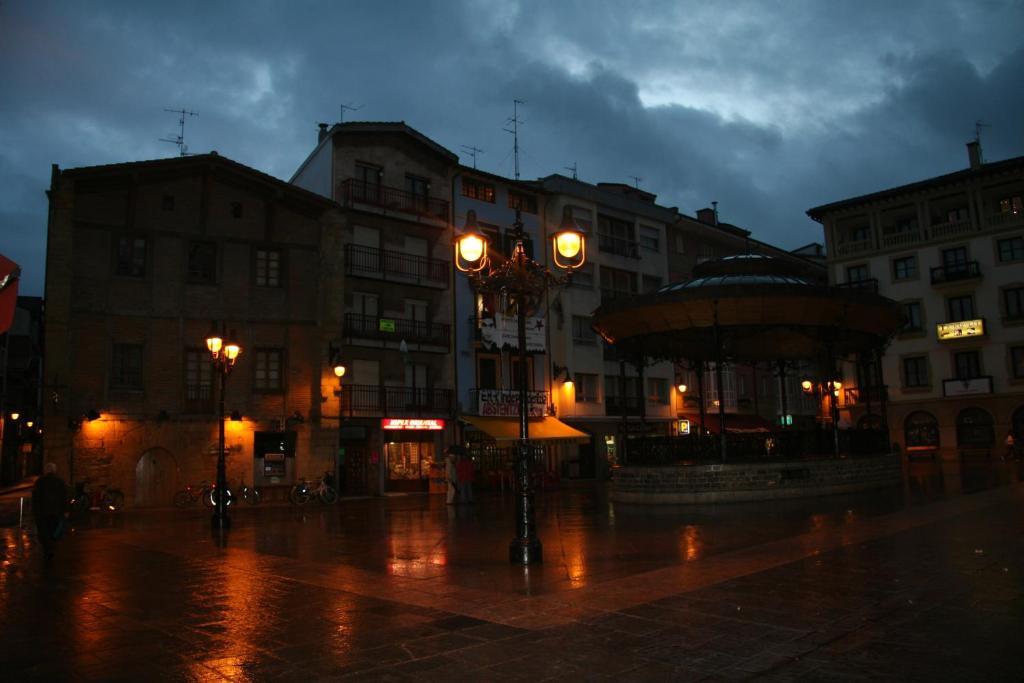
(974, 428)
(921, 430)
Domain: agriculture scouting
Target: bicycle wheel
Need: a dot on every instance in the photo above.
(328, 496)
(254, 496)
(206, 495)
(113, 500)
(298, 495)
(183, 499)
(214, 496)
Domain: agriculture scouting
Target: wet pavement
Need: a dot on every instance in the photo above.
(922, 582)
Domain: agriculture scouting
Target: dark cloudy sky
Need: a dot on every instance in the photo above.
(768, 107)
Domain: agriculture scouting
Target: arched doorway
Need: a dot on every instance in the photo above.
(156, 478)
(974, 429)
(921, 434)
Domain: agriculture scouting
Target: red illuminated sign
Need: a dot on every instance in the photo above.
(408, 423)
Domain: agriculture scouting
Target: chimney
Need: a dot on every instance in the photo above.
(707, 215)
(974, 154)
(322, 134)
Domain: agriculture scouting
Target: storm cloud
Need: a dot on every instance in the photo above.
(767, 108)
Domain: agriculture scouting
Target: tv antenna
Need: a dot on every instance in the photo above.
(472, 151)
(179, 139)
(348, 107)
(573, 169)
(636, 181)
(515, 132)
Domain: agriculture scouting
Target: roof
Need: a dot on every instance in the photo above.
(392, 127)
(818, 212)
(528, 185)
(212, 158)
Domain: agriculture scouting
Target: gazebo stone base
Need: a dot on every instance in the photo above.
(742, 482)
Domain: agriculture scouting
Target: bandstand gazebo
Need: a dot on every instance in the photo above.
(743, 309)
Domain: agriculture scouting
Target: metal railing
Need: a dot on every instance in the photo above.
(395, 265)
(198, 398)
(353, 190)
(954, 272)
(618, 245)
(383, 328)
(369, 399)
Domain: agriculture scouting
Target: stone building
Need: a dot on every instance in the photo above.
(397, 398)
(951, 250)
(142, 259)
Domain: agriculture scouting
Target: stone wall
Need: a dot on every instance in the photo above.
(753, 481)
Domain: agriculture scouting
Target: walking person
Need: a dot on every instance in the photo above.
(1011, 450)
(451, 474)
(49, 502)
(465, 471)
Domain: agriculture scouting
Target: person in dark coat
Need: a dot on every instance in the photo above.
(465, 473)
(49, 502)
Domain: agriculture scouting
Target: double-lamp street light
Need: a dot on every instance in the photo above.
(223, 353)
(521, 282)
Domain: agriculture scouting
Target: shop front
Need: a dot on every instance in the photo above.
(413, 454)
(492, 443)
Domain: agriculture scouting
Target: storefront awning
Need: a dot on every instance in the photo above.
(541, 428)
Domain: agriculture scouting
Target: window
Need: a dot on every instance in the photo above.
(584, 218)
(966, 365)
(616, 236)
(202, 262)
(514, 373)
(1017, 362)
(367, 184)
(1013, 303)
(960, 308)
(131, 256)
(198, 380)
(167, 203)
(904, 268)
(586, 387)
(860, 233)
(616, 283)
(921, 430)
(126, 367)
(657, 390)
(268, 267)
(1011, 249)
(904, 224)
(680, 241)
(418, 187)
(487, 372)
(583, 278)
(1011, 205)
(857, 273)
(912, 320)
(268, 369)
(476, 189)
(236, 209)
(954, 261)
(915, 372)
(527, 203)
(957, 215)
(650, 283)
(581, 332)
(649, 238)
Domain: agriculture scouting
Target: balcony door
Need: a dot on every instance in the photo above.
(364, 389)
(364, 313)
(954, 261)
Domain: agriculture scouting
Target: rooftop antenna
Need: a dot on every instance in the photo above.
(179, 139)
(978, 125)
(349, 107)
(515, 132)
(636, 181)
(472, 151)
(573, 169)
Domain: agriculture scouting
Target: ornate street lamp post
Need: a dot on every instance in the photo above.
(521, 282)
(223, 353)
(339, 372)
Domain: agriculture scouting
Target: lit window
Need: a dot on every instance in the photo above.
(475, 189)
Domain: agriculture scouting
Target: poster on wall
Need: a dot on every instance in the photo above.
(501, 331)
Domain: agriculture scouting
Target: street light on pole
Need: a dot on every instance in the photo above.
(223, 354)
(339, 372)
(523, 282)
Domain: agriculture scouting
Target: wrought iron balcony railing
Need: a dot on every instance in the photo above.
(395, 266)
(618, 245)
(396, 329)
(198, 398)
(955, 272)
(373, 400)
(358, 191)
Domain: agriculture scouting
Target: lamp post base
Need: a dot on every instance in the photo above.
(525, 551)
(218, 522)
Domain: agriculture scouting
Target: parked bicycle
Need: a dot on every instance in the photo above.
(190, 495)
(101, 497)
(249, 495)
(305, 491)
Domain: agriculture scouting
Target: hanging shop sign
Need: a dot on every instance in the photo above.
(502, 331)
(386, 325)
(505, 403)
(412, 423)
(960, 329)
(684, 427)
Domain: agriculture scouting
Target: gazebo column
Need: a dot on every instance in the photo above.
(699, 369)
(883, 395)
(832, 403)
(623, 399)
(718, 384)
(782, 389)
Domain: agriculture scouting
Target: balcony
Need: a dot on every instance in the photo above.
(953, 228)
(869, 284)
(396, 329)
(967, 387)
(618, 245)
(199, 398)
(354, 191)
(505, 402)
(395, 266)
(618, 405)
(850, 248)
(372, 400)
(956, 272)
(1006, 218)
(893, 238)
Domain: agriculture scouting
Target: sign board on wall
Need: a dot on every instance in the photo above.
(960, 329)
(505, 403)
(411, 423)
(502, 331)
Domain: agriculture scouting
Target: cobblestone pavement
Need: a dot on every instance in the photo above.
(923, 583)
